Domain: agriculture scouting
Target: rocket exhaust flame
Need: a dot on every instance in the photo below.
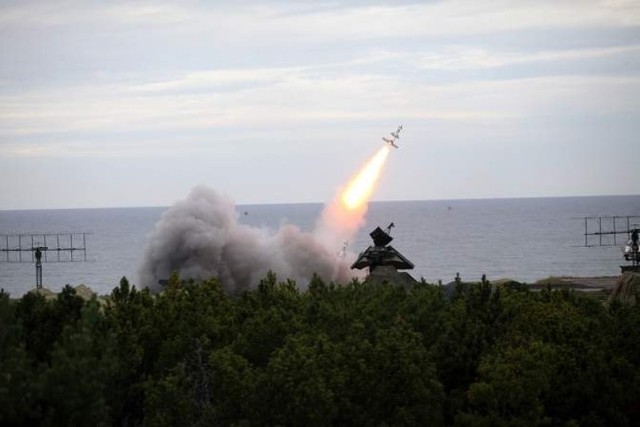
(342, 218)
(361, 187)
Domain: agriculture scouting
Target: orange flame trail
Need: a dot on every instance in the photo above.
(341, 219)
(361, 187)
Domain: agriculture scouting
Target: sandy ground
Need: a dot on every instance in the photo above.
(582, 283)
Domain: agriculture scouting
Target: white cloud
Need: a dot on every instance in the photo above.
(219, 79)
(284, 96)
(150, 13)
(465, 58)
(457, 17)
(129, 148)
(259, 23)
(295, 96)
(230, 82)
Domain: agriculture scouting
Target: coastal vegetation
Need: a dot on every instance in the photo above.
(353, 354)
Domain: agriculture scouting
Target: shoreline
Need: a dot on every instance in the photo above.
(604, 284)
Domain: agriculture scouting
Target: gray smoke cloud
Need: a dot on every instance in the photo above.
(200, 237)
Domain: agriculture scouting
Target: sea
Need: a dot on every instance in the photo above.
(525, 239)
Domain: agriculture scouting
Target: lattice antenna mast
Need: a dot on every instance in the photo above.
(43, 247)
(606, 229)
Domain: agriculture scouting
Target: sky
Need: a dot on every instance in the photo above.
(133, 103)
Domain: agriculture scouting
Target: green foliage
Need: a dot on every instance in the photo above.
(472, 323)
(233, 380)
(511, 385)
(74, 385)
(352, 354)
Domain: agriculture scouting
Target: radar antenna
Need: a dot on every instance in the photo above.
(43, 247)
(604, 231)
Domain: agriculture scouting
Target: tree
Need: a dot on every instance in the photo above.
(511, 387)
(75, 384)
(129, 320)
(19, 378)
(472, 323)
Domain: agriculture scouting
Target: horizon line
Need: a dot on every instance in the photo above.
(324, 202)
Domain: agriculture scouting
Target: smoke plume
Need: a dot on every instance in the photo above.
(200, 237)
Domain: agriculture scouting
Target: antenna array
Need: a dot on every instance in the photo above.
(606, 229)
(43, 247)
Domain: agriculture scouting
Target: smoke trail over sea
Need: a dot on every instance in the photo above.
(200, 237)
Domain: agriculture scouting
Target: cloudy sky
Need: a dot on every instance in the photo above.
(134, 103)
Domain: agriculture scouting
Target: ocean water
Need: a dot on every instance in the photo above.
(524, 239)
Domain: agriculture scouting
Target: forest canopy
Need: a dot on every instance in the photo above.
(352, 354)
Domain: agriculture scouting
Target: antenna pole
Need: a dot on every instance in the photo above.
(38, 254)
(600, 229)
